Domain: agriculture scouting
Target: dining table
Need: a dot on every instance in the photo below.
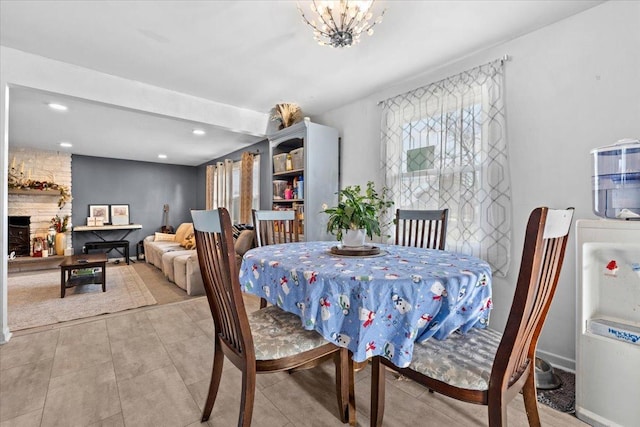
(379, 304)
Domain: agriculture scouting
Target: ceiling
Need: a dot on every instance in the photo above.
(247, 54)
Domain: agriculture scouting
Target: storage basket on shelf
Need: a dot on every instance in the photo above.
(279, 162)
(278, 188)
(297, 158)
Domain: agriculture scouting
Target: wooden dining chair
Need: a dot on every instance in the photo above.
(269, 340)
(422, 228)
(274, 227)
(484, 366)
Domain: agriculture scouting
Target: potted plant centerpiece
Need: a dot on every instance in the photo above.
(357, 214)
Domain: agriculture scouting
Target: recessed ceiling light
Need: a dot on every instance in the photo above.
(162, 156)
(66, 144)
(198, 132)
(58, 107)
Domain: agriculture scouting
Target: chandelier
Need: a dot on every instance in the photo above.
(340, 23)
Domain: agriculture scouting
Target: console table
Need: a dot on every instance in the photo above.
(98, 231)
(111, 244)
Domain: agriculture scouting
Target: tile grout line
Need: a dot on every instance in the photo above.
(115, 375)
(53, 359)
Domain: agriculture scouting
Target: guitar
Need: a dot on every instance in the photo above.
(166, 228)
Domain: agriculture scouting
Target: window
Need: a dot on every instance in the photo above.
(444, 147)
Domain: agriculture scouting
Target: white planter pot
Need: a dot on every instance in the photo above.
(354, 238)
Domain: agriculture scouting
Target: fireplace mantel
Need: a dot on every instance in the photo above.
(34, 192)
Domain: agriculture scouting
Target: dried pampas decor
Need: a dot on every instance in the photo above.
(286, 114)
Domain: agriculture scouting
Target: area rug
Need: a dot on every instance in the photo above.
(34, 299)
(562, 399)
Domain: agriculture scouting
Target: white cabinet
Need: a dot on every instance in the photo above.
(608, 322)
(313, 152)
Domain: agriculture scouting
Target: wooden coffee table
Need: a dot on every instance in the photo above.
(77, 262)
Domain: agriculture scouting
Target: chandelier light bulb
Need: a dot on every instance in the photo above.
(340, 23)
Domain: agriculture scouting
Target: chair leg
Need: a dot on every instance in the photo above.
(216, 374)
(377, 392)
(531, 400)
(497, 408)
(345, 386)
(352, 392)
(263, 303)
(248, 396)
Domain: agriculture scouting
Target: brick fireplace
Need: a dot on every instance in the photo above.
(37, 205)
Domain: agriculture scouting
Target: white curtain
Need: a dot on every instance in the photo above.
(444, 146)
(220, 186)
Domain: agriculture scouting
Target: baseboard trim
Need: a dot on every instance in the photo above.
(557, 361)
(5, 336)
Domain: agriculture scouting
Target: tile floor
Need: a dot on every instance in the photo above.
(151, 367)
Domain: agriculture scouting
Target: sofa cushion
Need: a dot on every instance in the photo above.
(187, 274)
(154, 250)
(168, 259)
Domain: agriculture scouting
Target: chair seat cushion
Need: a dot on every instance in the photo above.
(277, 333)
(461, 360)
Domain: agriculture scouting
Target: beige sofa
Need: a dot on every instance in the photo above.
(176, 256)
(173, 254)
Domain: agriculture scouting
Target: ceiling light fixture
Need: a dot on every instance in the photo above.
(341, 22)
(66, 144)
(162, 156)
(58, 107)
(198, 132)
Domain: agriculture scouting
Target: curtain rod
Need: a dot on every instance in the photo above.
(502, 60)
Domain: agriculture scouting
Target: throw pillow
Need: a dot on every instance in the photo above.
(183, 231)
(244, 242)
(238, 228)
(165, 237)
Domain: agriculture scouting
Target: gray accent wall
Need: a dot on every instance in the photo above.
(144, 186)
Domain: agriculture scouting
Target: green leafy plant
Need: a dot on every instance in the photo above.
(358, 210)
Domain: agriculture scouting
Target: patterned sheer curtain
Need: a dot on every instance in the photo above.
(444, 146)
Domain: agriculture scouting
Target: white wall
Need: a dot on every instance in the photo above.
(571, 87)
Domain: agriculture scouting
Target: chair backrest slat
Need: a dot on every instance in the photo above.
(216, 256)
(422, 228)
(540, 267)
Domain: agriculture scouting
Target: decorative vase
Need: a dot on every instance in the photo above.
(354, 238)
(61, 243)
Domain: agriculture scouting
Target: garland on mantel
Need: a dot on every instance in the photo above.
(28, 184)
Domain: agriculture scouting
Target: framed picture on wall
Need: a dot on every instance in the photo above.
(120, 214)
(100, 211)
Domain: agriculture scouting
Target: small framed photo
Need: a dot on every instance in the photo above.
(100, 211)
(120, 214)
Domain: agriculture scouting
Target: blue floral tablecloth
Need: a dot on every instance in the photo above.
(376, 305)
